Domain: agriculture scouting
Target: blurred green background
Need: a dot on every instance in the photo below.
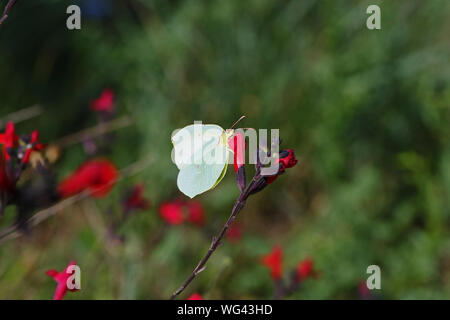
(367, 113)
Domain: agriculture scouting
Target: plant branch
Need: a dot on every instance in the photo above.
(8, 7)
(21, 115)
(98, 130)
(42, 215)
(216, 241)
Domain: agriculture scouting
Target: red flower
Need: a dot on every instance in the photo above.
(271, 179)
(274, 261)
(364, 291)
(25, 146)
(172, 212)
(237, 144)
(234, 233)
(196, 214)
(305, 269)
(6, 185)
(34, 145)
(286, 160)
(61, 280)
(195, 296)
(105, 102)
(177, 212)
(97, 176)
(135, 200)
(9, 139)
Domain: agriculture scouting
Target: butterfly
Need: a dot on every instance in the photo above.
(201, 153)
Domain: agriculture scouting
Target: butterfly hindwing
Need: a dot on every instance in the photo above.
(201, 154)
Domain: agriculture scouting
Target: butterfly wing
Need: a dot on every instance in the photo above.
(201, 154)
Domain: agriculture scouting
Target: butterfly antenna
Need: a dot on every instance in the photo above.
(238, 120)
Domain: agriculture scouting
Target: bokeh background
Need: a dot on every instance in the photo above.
(367, 113)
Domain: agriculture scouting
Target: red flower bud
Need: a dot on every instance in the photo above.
(34, 145)
(61, 280)
(196, 214)
(364, 292)
(305, 269)
(274, 261)
(177, 212)
(237, 144)
(105, 102)
(96, 176)
(286, 160)
(195, 296)
(172, 212)
(6, 183)
(9, 139)
(271, 179)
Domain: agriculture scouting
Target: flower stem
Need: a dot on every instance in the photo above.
(8, 7)
(216, 241)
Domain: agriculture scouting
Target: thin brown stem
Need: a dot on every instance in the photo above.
(216, 241)
(21, 115)
(98, 130)
(8, 7)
